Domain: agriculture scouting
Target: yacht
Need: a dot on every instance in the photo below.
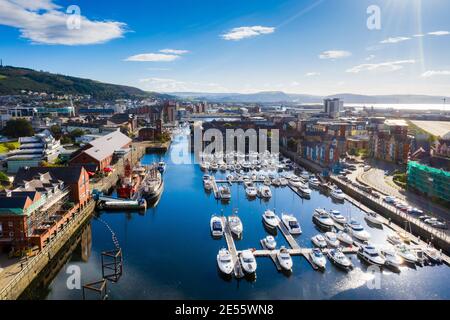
(225, 193)
(338, 217)
(276, 182)
(267, 182)
(216, 226)
(339, 259)
(270, 219)
(270, 243)
(230, 178)
(357, 231)
(248, 183)
(345, 238)
(251, 192)
(214, 166)
(207, 184)
(433, 254)
(161, 166)
(314, 182)
(295, 181)
(248, 261)
(264, 192)
(223, 167)
(407, 255)
(337, 194)
(204, 166)
(331, 239)
(393, 260)
(303, 189)
(319, 241)
(235, 224)
(371, 255)
(318, 258)
(284, 182)
(291, 224)
(374, 218)
(246, 165)
(224, 261)
(304, 175)
(322, 219)
(394, 239)
(284, 258)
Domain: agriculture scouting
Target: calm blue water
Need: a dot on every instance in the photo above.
(169, 253)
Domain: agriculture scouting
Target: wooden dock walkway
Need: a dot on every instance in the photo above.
(271, 253)
(238, 272)
(287, 235)
(215, 188)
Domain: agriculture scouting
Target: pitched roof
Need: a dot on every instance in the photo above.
(105, 146)
(66, 174)
(13, 202)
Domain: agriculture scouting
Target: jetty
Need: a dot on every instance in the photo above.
(238, 272)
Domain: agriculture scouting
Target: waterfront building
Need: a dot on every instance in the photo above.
(389, 140)
(41, 201)
(429, 181)
(98, 154)
(33, 150)
(332, 107)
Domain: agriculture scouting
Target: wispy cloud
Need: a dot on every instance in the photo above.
(395, 40)
(439, 33)
(174, 51)
(44, 22)
(312, 74)
(381, 67)
(153, 57)
(335, 54)
(370, 57)
(172, 85)
(240, 33)
(432, 73)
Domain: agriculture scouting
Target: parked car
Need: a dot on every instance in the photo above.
(390, 199)
(436, 223)
(414, 211)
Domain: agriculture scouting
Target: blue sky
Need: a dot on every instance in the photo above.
(296, 46)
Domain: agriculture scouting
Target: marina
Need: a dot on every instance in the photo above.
(185, 266)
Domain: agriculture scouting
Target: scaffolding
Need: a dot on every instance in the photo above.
(429, 181)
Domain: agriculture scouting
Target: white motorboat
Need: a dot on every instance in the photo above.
(225, 193)
(208, 185)
(270, 243)
(223, 167)
(270, 219)
(394, 239)
(216, 226)
(267, 182)
(230, 178)
(345, 238)
(357, 231)
(248, 261)
(338, 217)
(291, 223)
(251, 192)
(303, 189)
(204, 166)
(224, 261)
(214, 166)
(339, 259)
(433, 254)
(337, 194)
(264, 192)
(235, 224)
(284, 259)
(318, 258)
(284, 182)
(207, 177)
(304, 175)
(322, 219)
(393, 260)
(407, 255)
(331, 239)
(371, 255)
(374, 218)
(276, 182)
(248, 183)
(314, 182)
(246, 165)
(295, 181)
(319, 241)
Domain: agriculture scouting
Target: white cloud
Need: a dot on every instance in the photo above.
(432, 73)
(419, 35)
(174, 51)
(395, 40)
(44, 22)
(334, 54)
(240, 33)
(439, 33)
(370, 58)
(172, 85)
(153, 57)
(381, 67)
(312, 74)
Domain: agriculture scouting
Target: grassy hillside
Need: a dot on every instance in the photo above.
(13, 80)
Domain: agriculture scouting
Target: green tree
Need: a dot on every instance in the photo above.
(56, 131)
(17, 128)
(76, 133)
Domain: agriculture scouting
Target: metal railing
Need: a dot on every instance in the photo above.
(29, 264)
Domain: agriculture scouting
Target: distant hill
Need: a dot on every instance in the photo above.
(13, 80)
(281, 97)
